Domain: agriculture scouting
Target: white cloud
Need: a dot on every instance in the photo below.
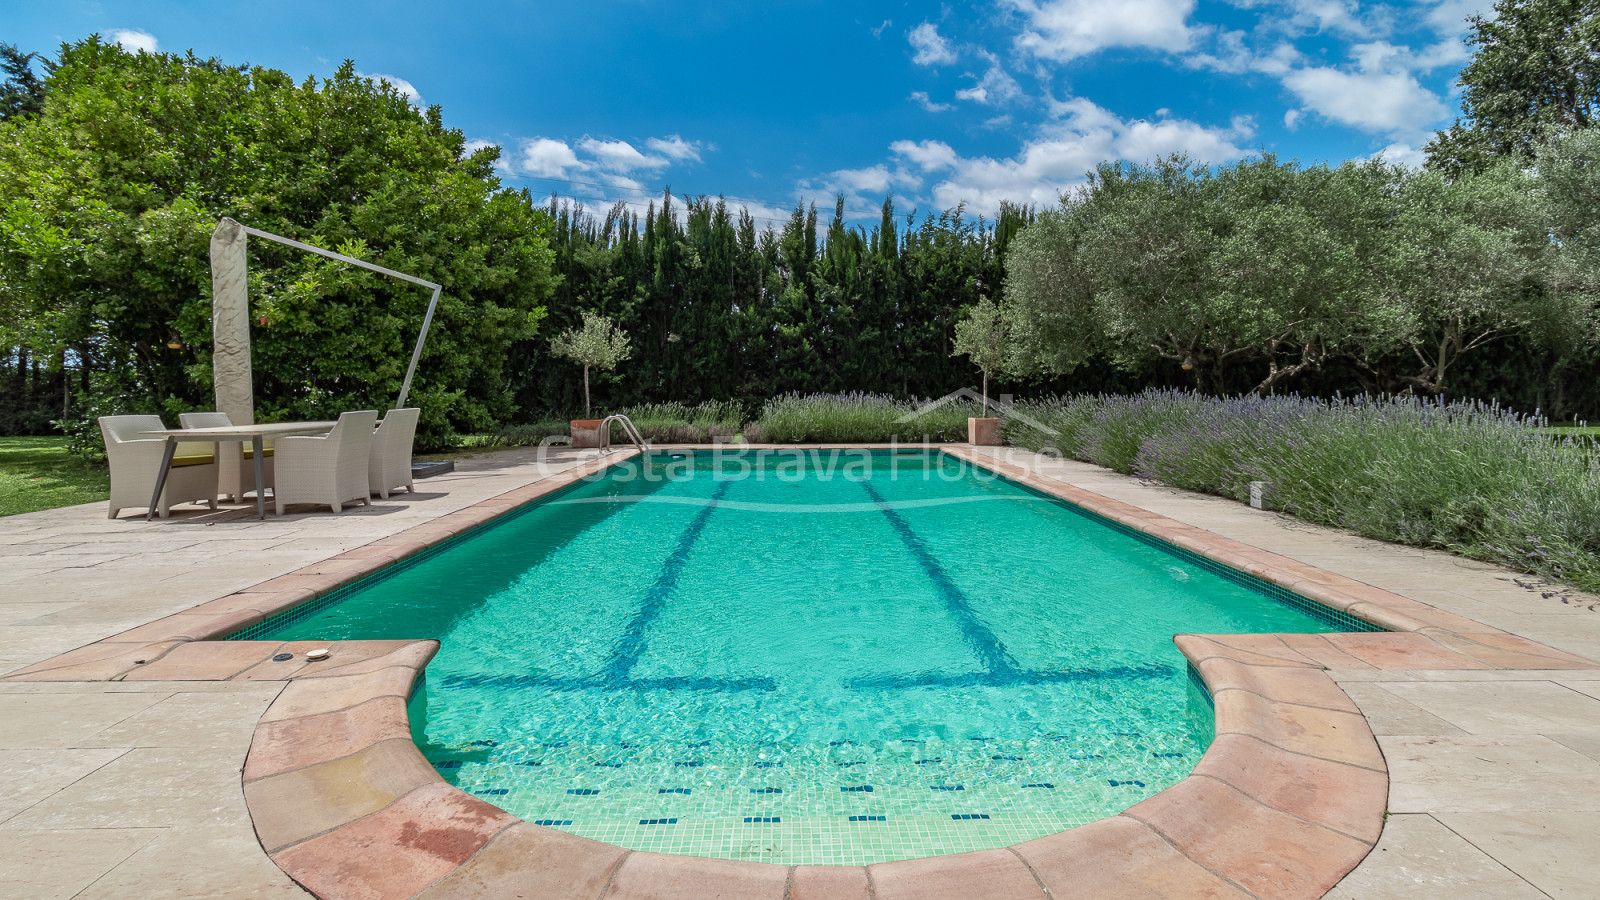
(1230, 54)
(928, 104)
(546, 158)
(932, 49)
(1064, 150)
(1291, 119)
(609, 162)
(674, 147)
(996, 86)
(1403, 154)
(1380, 97)
(406, 88)
(926, 155)
(620, 156)
(1450, 16)
(878, 32)
(1329, 15)
(1063, 30)
(871, 180)
(133, 41)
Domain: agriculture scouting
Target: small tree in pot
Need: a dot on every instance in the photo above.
(597, 344)
(982, 337)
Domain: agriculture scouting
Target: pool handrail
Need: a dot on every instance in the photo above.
(628, 429)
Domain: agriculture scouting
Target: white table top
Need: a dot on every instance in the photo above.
(244, 432)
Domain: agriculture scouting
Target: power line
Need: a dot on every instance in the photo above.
(852, 213)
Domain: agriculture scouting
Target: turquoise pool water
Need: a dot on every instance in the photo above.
(823, 659)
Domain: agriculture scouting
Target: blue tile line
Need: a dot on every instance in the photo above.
(306, 610)
(1200, 685)
(1010, 679)
(1002, 670)
(632, 644)
(977, 635)
(1325, 614)
(582, 683)
(634, 638)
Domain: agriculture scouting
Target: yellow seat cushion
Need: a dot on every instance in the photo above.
(179, 462)
(250, 452)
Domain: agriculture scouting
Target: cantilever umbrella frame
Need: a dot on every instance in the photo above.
(427, 319)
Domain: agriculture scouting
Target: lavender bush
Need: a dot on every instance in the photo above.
(856, 418)
(1472, 478)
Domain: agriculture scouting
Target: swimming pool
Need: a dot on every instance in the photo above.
(807, 657)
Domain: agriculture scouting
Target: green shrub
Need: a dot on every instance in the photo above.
(1467, 477)
(857, 418)
(677, 423)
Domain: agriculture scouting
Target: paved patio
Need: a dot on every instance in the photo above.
(133, 788)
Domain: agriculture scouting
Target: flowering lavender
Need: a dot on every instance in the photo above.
(1464, 476)
(857, 417)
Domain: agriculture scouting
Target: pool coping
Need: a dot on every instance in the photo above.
(1244, 824)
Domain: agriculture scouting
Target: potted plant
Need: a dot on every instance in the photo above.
(597, 344)
(981, 336)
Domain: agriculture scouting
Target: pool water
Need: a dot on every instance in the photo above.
(831, 658)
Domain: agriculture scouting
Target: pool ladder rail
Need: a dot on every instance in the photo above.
(628, 429)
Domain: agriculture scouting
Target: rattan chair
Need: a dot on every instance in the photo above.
(236, 470)
(136, 461)
(331, 469)
(390, 465)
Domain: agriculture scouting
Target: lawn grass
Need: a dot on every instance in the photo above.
(38, 473)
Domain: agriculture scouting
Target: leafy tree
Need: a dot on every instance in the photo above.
(22, 93)
(1253, 263)
(1568, 182)
(1468, 265)
(981, 337)
(1536, 72)
(599, 344)
(108, 197)
(1269, 265)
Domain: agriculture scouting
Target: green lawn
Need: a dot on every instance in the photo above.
(38, 473)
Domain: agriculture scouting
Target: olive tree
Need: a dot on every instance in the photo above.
(598, 344)
(1469, 263)
(981, 337)
(1260, 263)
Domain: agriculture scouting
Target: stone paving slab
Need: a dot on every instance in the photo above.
(1462, 609)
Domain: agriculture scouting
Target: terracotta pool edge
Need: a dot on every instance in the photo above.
(1264, 815)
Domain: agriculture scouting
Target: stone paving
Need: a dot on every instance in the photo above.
(1494, 787)
(132, 789)
(1494, 776)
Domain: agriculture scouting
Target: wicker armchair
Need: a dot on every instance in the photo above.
(390, 465)
(331, 469)
(236, 470)
(136, 461)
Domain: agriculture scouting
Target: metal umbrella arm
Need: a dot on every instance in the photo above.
(427, 319)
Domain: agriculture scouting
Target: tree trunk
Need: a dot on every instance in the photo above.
(986, 394)
(586, 414)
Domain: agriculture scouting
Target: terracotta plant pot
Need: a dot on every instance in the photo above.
(586, 432)
(983, 432)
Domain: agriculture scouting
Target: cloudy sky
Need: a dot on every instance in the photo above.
(772, 102)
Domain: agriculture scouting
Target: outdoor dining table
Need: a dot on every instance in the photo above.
(255, 434)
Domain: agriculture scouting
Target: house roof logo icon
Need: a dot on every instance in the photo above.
(1004, 405)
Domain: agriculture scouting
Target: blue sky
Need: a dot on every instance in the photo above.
(771, 102)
